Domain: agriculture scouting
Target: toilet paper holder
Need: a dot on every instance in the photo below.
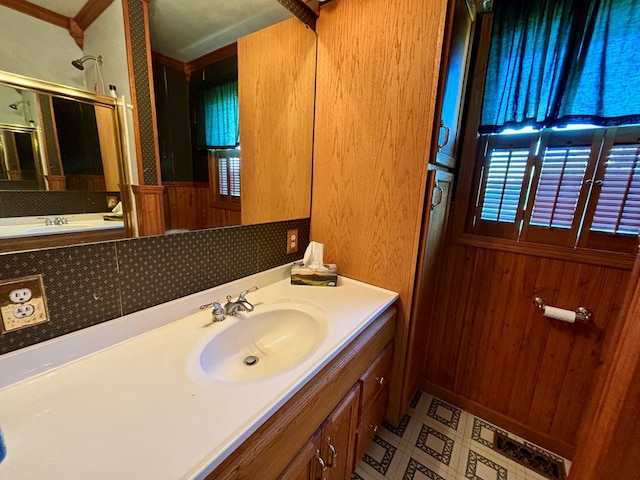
(582, 314)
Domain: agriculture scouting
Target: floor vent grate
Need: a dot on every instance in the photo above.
(536, 460)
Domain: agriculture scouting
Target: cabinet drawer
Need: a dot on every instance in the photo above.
(371, 422)
(376, 377)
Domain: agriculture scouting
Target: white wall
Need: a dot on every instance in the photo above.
(43, 51)
(106, 37)
(7, 114)
(38, 49)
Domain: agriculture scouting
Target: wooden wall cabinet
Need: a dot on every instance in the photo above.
(377, 84)
(324, 417)
(455, 60)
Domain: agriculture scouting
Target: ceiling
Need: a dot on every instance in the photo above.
(188, 29)
(68, 8)
(185, 34)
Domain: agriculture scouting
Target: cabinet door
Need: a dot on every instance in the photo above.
(459, 25)
(439, 184)
(339, 437)
(307, 463)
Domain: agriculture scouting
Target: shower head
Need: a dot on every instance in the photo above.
(79, 63)
(15, 105)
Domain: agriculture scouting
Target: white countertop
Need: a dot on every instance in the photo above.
(132, 410)
(14, 227)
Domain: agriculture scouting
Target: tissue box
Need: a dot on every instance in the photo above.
(301, 275)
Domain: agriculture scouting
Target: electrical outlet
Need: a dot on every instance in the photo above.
(23, 311)
(22, 303)
(112, 201)
(20, 295)
(292, 241)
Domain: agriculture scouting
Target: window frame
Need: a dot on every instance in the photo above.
(218, 198)
(579, 236)
(466, 180)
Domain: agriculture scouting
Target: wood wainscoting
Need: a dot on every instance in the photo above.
(491, 351)
(189, 205)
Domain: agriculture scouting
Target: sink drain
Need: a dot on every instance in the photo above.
(251, 360)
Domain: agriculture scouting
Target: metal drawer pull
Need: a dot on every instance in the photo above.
(380, 380)
(321, 461)
(446, 135)
(334, 454)
(439, 198)
(375, 428)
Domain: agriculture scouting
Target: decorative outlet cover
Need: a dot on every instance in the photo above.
(22, 303)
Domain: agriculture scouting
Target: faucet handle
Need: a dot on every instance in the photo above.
(243, 294)
(218, 312)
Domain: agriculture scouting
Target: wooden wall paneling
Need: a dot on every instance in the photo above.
(431, 363)
(525, 371)
(150, 209)
(573, 387)
(495, 306)
(93, 183)
(473, 335)
(188, 205)
(534, 340)
(276, 71)
(559, 343)
(508, 307)
(448, 336)
(578, 388)
(56, 182)
(518, 316)
(607, 445)
(608, 348)
(378, 67)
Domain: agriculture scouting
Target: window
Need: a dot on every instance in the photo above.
(224, 171)
(577, 187)
(559, 130)
(221, 115)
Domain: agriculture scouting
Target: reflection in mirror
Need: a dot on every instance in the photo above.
(18, 147)
(234, 108)
(60, 165)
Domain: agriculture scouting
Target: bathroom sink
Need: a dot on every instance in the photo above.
(262, 344)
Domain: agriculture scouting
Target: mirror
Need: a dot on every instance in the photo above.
(46, 54)
(60, 165)
(249, 163)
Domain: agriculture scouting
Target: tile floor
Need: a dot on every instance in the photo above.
(438, 441)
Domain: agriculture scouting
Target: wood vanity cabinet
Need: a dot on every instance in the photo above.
(375, 392)
(327, 421)
(329, 454)
(306, 464)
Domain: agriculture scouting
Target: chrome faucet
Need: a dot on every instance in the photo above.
(231, 308)
(47, 220)
(60, 221)
(240, 305)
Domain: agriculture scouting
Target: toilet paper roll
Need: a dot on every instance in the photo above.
(560, 314)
